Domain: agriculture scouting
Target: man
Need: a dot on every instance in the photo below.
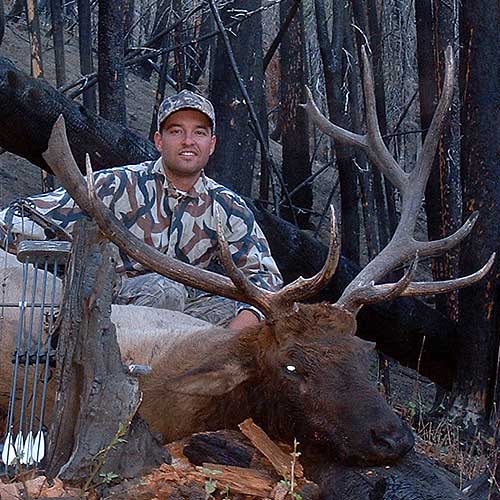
(172, 205)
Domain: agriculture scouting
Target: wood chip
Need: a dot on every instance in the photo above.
(239, 480)
(281, 461)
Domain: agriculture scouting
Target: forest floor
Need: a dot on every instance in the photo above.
(411, 395)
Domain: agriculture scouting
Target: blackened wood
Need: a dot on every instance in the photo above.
(85, 46)
(2, 21)
(221, 447)
(58, 38)
(363, 167)
(285, 23)
(28, 110)
(197, 63)
(435, 31)
(111, 69)
(360, 17)
(234, 157)
(296, 165)
(477, 387)
(128, 25)
(95, 395)
(332, 57)
(179, 37)
(33, 24)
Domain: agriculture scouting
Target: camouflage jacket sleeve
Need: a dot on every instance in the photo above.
(57, 206)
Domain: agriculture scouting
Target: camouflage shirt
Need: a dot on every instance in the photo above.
(180, 224)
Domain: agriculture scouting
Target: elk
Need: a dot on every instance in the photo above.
(301, 372)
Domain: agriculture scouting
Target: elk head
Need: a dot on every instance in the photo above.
(308, 355)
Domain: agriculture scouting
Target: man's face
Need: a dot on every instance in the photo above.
(185, 143)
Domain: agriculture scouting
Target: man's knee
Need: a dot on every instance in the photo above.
(152, 290)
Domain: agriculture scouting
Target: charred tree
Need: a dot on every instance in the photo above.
(234, 157)
(128, 26)
(360, 17)
(85, 45)
(196, 64)
(97, 401)
(179, 38)
(365, 175)
(2, 21)
(332, 57)
(477, 389)
(435, 31)
(294, 123)
(111, 69)
(28, 110)
(33, 24)
(56, 15)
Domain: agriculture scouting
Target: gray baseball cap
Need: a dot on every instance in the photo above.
(186, 100)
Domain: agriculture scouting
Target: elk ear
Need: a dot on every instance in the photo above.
(209, 382)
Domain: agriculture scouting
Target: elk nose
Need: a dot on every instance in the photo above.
(393, 442)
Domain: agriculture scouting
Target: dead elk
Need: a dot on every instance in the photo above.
(302, 372)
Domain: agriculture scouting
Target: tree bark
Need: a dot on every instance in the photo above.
(2, 21)
(295, 131)
(33, 24)
(233, 161)
(435, 31)
(111, 69)
(28, 109)
(58, 37)
(85, 45)
(331, 57)
(95, 428)
(361, 20)
(477, 387)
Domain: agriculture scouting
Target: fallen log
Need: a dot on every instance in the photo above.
(28, 109)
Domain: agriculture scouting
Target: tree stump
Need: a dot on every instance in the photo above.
(95, 428)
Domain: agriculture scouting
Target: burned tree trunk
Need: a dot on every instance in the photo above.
(2, 21)
(111, 73)
(58, 37)
(294, 123)
(233, 160)
(435, 31)
(331, 57)
(29, 108)
(477, 387)
(85, 45)
(96, 427)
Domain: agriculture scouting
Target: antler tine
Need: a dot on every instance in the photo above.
(438, 247)
(255, 295)
(60, 159)
(303, 288)
(375, 147)
(419, 288)
(412, 200)
(377, 293)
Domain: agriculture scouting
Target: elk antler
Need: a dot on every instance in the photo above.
(403, 247)
(238, 287)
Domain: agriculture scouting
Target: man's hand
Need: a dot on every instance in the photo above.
(243, 319)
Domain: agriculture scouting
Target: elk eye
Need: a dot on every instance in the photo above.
(291, 368)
